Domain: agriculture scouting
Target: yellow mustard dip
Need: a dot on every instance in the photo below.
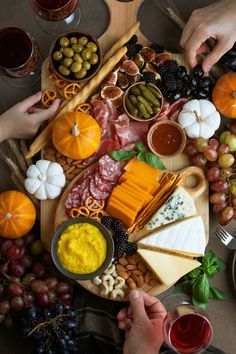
(82, 248)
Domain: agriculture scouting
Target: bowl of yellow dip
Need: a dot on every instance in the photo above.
(82, 248)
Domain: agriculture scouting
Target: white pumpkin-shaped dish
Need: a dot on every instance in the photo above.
(199, 118)
(45, 179)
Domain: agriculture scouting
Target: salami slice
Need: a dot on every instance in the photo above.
(86, 190)
(109, 169)
(73, 199)
(95, 192)
(101, 184)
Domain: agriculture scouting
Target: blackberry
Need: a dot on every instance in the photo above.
(133, 39)
(164, 90)
(157, 47)
(130, 248)
(133, 49)
(122, 235)
(120, 247)
(171, 65)
(149, 77)
(171, 84)
(117, 225)
(179, 84)
(162, 70)
(107, 221)
(169, 76)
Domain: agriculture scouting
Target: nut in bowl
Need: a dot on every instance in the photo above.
(75, 56)
(166, 138)
(143, 102)
(82, 248)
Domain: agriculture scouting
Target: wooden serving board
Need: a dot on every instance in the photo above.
(122, 16)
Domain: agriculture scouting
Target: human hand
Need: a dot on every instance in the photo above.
(216, 21)
(23, 120)
(142, 322)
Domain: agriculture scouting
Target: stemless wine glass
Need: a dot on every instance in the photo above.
(20, 57)
(187, 328)
(56, 16)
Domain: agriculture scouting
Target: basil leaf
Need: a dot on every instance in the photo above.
(195, 273)
(217, 294)
(201, 289)
(151, 159)
(212, 264)
(200, 304)
(122, 155)
(184, 287)
(139, 146)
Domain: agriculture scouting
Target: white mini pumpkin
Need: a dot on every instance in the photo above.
(45, 179)
(199, 118)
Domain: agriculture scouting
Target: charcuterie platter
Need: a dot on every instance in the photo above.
(86, 175)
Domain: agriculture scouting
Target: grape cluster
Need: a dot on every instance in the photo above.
(217, 157)
(176, 83)
(229, 59)
(53, 329)
(26, 278)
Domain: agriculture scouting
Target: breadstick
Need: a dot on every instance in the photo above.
(81, 97)
(123, 40)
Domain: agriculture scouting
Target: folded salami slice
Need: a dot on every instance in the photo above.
(109, 169)
(95, 192)
(102, 184)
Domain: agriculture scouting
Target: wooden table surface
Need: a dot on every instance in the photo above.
(157, 27)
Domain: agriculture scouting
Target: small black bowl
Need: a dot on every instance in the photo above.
(105, 233)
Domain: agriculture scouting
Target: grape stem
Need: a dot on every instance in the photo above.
(45, 323)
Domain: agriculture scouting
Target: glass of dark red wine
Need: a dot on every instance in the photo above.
(56, 16)
(187, 328)
(20, 57)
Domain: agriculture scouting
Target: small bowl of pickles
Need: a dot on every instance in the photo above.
(75, 56)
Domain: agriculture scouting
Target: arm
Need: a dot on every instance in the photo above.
(23, 120)
(216, 21)
(142, 322)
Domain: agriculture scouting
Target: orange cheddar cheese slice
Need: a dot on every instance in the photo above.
(147, 186)
(141, 168)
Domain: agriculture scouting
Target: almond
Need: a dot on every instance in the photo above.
(61, 161)
(132, 285)
(123, 261)
(58, 154)
(131, 267)
(122, 274)
(142, 267)
(140, 281)
(50, 150)
(137, 272)
(50, 157)
(131, 260)
(66, 167)
(76, 162)
(69, 160)
(152, 282)
(147, 276)
(69, 176)
(71, 169)
(120, 267)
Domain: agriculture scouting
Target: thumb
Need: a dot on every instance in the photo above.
(48, 113)
(137, 306)
(221, 47)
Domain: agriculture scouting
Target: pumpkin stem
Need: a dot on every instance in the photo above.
(234, 94)
(8, 216)
(199, 119)
(75, 130)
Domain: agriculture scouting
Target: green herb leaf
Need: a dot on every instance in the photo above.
(122, 155)
(195, 273)
(201, 289)
(184, 287)
(200, 304)
(139, 146)
(217, 294)
(151, 159)
(212, 264)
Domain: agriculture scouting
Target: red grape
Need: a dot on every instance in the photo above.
(37, 248)
(39, 286)
(214, 143)
(51, 283)
(17, 269)
(29, 239)
(190, 149)
(63, 287)
(223, 149)
(219, 186)
(217, 208)
(5, 246)
(14, 289)
(65, 297)
(213, 174)
(217, 198)
(26, 261)
(210, 154)
(226, 161)
(46, 258)
(42, 299)
(231, 141)
(227, 214)
(28, 278)
(29, 297)
(4, 307)
(200, 144)
(39, 269)
(13, 253)
(17, 303)
(199, 160)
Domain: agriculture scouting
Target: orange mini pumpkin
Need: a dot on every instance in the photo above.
(76, 135)
(17, 214)
(224, 95)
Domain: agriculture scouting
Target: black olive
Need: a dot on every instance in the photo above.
(231, 53)
(186, 91)
(197, 71)
(194, 81)
(181, 72)
(230, 64)
(174, 96)
(201, 94)
(204, 82)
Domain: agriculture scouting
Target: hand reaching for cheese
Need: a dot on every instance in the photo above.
(23, 120)
(142, 322)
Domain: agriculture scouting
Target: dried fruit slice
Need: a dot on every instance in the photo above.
(162, 58)
(111, 79)
(134, 79)
(148, 54)
(151, 69)
(122, 81)
(130, 67)
(139, 61)
(113, 94)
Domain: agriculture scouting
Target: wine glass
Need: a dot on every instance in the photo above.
(56, 16)
(20, 59)
(187, 328)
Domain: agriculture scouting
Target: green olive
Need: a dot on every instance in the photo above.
(57, 56)
(77, 48)
(68, 52)
(80, 74)
(67, 62)
(86, 65)
(64, 42)
(75, 67)
(83, 40)
(86, 54)
(94, 59)
(92, 46)
(63, 70)
(73, 40)
(77, 57)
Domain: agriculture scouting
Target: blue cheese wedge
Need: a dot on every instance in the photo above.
(186, 238)
(179, 206)
(167, 268)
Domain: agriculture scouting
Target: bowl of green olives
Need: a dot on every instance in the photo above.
(75, 56)
(142, 101)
